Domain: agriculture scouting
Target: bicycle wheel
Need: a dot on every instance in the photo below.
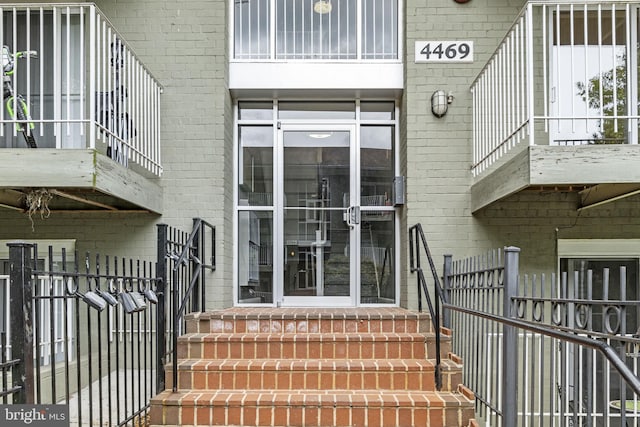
(25, 124)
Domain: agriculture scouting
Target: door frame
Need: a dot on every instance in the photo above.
(268, 116)
(279, 209)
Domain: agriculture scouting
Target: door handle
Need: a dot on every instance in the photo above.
(346, 216)
(353, 216)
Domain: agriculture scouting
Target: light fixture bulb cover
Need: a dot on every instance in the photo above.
(320, 135)
(322, 6)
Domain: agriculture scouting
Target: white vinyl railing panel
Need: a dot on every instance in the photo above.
(85, 89)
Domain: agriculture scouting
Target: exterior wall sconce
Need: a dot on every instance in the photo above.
(440, 101)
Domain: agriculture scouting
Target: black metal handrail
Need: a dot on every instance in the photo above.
(193, 253)
(418, 240)
(607, 351)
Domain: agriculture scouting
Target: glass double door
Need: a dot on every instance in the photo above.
(316, 221)
(319, 215)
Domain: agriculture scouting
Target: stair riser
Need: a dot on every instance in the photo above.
(302, 350)
(288, 380)
(445, 348)
(310, 416)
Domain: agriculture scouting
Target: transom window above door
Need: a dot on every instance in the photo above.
(316, 29)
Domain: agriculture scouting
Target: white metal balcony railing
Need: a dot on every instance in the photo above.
(85, 89)
(565, 74)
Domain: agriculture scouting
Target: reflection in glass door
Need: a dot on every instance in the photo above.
(319, 218)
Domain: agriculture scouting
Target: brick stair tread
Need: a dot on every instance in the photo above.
(379, 365)
(311, 313)
(288, 320)
(313, 398)
(303, 337)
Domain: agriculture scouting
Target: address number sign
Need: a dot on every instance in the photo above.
(444, 51)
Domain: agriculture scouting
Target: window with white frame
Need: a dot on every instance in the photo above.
(316, 29)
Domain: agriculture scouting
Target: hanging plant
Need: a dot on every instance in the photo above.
(37, 201)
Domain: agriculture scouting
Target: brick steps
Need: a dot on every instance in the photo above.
(312, 367)
(389, 345)
(314, 374)
(308, 320)
(324, 408)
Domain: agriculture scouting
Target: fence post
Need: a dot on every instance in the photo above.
(161, 321)
(510, 339)
(446, 289)
(21, 319)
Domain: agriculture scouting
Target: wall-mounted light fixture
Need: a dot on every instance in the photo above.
(322, 6)
(440, 101)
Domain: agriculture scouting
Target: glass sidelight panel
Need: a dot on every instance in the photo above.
(255, 179)
(377, 257)
(316, 196)
(255, 257)
(376, 165)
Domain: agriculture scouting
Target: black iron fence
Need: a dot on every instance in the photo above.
(93, 331)
(545, 350)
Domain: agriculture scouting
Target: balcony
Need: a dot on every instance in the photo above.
(339, 48)
(556, 106)
(93, 112)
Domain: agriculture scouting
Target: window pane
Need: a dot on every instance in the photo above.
(255, 176)
(324, 29)
(255, 111)
(251, 29)
(255, 257)
(377, 110)
(379, 29)
(376, 258)
(317, 110)
(376, 165)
